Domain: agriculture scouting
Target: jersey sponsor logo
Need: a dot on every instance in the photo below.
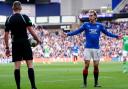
(93, 31)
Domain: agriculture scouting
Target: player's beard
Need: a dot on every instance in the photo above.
(92, 20)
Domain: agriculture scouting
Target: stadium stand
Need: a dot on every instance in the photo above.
(50, 34)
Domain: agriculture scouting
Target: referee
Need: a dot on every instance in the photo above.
(18, 25)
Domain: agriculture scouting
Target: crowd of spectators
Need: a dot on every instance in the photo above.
(125, 9)
(55, 46)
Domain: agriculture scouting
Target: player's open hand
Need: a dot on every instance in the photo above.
(64, 35)
(120, 36)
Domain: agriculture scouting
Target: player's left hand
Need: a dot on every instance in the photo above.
(120, 36)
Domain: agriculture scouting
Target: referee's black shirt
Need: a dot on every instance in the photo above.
(17, 24)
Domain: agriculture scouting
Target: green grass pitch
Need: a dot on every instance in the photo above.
(65, 76)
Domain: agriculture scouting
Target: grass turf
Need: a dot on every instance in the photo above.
(65, 76)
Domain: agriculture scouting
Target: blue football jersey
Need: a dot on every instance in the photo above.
(92, 34)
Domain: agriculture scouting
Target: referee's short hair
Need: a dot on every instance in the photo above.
(16, 5)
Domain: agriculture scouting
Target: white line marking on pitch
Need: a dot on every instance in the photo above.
(74, 79)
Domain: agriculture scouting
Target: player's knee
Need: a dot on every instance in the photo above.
(86, 66)
(96, 68)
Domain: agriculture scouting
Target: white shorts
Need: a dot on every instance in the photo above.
(92, 54)
(125, 53)
(75, 54)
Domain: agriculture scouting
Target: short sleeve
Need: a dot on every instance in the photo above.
(28, 21)
(7, 25)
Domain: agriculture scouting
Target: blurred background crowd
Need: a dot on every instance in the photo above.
(54, 45)
(53, 17)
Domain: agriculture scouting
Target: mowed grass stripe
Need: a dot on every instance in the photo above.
(65, 76)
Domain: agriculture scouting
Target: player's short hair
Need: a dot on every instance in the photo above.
(94, 12)
(16, 5)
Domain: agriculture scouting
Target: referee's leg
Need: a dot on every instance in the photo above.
(31, 73)
(17, 73)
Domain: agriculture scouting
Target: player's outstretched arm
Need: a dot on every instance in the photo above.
(75, 32)
(108, 33)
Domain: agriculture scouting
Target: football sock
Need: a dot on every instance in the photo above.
(17, 77)
(96, 74)
(85, 74)
(31, 77)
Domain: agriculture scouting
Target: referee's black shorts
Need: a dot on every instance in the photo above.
(21, 50)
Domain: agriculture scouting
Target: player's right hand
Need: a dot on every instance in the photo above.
(64, 35)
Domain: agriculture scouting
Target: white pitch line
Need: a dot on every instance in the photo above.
(74, 79)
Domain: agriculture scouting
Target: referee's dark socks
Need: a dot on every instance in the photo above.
(31, 77)
(17, 77)
(96, 74)
(85, 74)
